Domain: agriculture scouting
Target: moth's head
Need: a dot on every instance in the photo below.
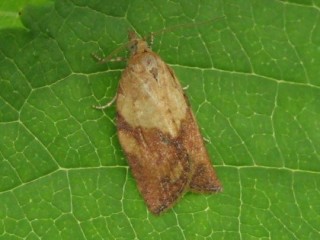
(136, 44)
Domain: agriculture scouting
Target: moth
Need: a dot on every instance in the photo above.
(158, 131)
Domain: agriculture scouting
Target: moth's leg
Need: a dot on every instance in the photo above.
(106, 105)
(151, 39)
(107, 59)
(185, 88)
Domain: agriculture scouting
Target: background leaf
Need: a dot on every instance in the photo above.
(9, 12)
(254, 86)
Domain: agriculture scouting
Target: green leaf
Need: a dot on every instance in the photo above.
(254, 85)
(10, 11)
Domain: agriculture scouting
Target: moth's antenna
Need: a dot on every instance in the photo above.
(179, 26)
(169, 29)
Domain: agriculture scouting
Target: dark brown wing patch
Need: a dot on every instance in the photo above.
(204, 178)
(160, 164)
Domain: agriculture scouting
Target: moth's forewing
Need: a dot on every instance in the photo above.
(159, 133)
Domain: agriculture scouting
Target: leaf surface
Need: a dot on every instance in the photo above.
(253, 82)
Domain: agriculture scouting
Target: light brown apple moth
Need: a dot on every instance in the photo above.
(158, 131)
